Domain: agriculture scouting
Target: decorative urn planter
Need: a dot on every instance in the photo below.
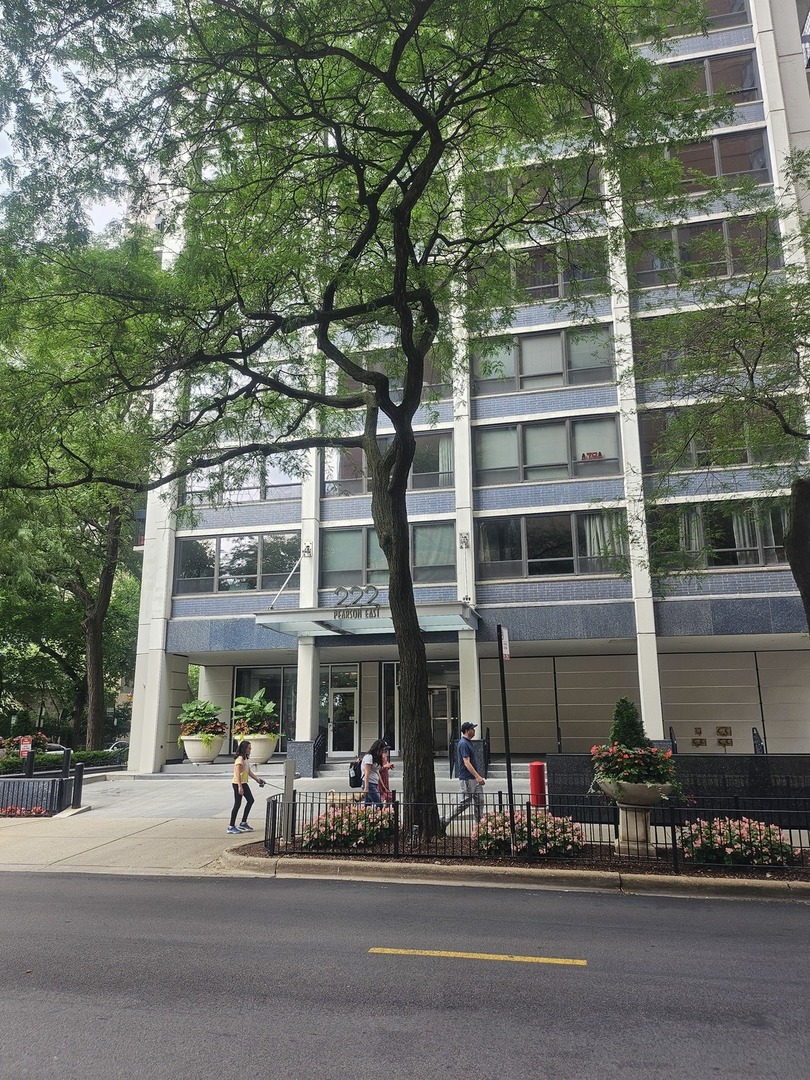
(635, 802)
(201, 750)
(262, 748)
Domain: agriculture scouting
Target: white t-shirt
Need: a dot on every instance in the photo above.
(374, 774)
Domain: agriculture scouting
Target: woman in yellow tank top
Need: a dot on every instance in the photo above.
(242, 772)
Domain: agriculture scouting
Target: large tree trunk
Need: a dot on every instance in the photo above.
(389, 512)
(797, 540)
(92, 628)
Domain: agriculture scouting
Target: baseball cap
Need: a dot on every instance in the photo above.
(468, 726)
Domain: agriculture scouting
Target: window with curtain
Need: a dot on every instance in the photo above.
(595, 447)
(433, 461)
(342, 557)
(497, 459)
(540, 545)
(573, 356)
(545, 451)
(434, 553)
(718, 535)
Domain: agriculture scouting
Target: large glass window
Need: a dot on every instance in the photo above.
(677, 439)
(266, 481)
(579, 269)
(546, 451)
(354, 557)
(231, 563)
(731, 74)
(703, 250)
(549, 544)
(729, 156)
(536, 361)
(717, 535)
(346, 471)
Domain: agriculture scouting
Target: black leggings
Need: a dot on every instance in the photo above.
(237, 802)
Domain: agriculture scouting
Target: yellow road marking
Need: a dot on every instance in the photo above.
(508, 957)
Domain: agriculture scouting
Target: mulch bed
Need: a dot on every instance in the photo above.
(452, 851)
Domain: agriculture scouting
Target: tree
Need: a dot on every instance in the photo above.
(732, 369)
(353, 188)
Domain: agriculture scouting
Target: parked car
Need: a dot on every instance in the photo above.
(119, 744)
(55, 748)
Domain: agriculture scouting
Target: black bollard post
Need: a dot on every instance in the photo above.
(78, 779)
(66, 761)
(28, 764)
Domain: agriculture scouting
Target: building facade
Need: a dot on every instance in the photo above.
(526, 510)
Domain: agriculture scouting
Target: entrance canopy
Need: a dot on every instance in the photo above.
(352, 620)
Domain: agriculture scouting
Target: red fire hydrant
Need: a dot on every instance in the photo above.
(537, 782)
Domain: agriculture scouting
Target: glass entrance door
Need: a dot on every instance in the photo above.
(342, 723)
(444, 706)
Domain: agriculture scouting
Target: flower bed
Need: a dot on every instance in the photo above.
(347, 825)
(552, 836)
(22, 811)
(736, 842)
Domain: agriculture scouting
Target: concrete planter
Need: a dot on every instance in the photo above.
(262, 748)
(635, 802)
(198, 752)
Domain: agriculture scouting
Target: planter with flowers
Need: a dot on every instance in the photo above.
(255, 719)
(202, 733)
(636, 775)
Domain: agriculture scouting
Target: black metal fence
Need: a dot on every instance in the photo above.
(38, 797)
(757, 834)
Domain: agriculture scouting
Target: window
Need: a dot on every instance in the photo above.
(549, 544)
(568, 184)
(263, 482)
(346, 473)
(717, 535)
(733, 75)
(723, 13)
(580, 269)
(729, 156)
(536, 361)
(703, 249)
(236, 563)
(354, 557)
(678, 439)
(549, 451)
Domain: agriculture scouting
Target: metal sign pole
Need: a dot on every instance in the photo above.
(503, 654)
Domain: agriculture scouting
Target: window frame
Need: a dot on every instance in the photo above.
(709, 557)
(369, 574)
(258, 578)
(578, 468)
(520, 567)
(517, 381)
(361, 483)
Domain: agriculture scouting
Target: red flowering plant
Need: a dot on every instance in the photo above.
(39, 742)
(629, 757)
(200, 718)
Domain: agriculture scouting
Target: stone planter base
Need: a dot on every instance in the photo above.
(198, 752)
(635, 802)
(262, 748)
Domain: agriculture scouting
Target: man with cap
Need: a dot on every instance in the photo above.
(469, 777)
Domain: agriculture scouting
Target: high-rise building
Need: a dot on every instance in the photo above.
(523, 484)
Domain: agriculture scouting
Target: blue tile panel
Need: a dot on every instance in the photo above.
(732, 583)
(250, 515)
(569, 399)
(585, 493)
(186, 636)
(568, 622)
(552, 312)
(357, 508)
(552, 591)
(683, 47)
(729, 482)
(757, 615)
(236, 603)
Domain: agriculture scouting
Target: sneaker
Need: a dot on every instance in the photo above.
(244, 827)
(233, 829)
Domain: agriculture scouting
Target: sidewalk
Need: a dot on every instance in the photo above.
(160, 826)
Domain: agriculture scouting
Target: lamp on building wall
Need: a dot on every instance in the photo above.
(463, 540)
(306, 551)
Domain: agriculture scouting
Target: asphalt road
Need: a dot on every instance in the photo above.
(212, 979)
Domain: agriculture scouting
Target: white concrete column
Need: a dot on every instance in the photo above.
(308, 689)
(159, 679)
(216, 685)
(640, 575)
(469, 678)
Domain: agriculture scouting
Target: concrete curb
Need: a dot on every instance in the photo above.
(517, 877)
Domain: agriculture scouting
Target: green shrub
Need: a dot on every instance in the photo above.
(627, 728)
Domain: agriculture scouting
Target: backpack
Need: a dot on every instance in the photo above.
(355, 774)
